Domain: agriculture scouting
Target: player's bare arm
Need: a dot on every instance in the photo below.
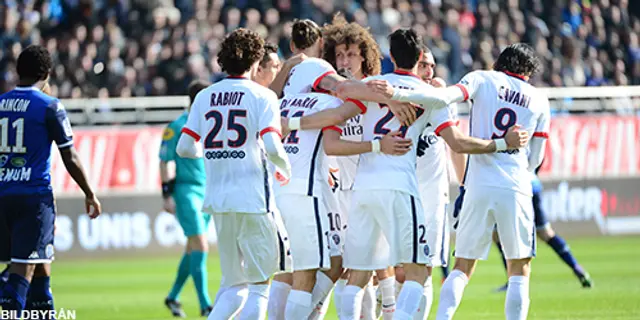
(461, 143)
(392, 144)
(459, 161)
(72, 162)
(433, 97)
(276, 153)
(283, 75)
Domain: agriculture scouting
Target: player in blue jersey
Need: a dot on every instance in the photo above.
(30, 120)
(183, 195)
(548, 235)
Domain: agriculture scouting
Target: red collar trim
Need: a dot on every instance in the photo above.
(406, 73)
(515, 75)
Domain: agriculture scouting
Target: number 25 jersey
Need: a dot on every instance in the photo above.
(231, 116)
(499, 101)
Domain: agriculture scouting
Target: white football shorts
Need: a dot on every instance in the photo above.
(435, 211)
(252, 247)
(509, 212)
(386, 228)
(307, 222)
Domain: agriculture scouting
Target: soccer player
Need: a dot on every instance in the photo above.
(183, 195)
(545, 232)
(269, 66)
(231, 116)
(386, 195)
(30, 121)
(498, 187)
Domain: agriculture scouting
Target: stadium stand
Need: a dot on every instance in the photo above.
(124, 48)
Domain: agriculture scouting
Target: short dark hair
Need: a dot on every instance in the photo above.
(194, 87)
(240, 49)
(269, 48)
(406, 47)
(304, 33)
(34, 63)
(518, 58)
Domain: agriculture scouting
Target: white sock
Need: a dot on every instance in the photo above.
(516, 305)
(229, 302)
(256, 306)
(298, 305)
(387, 288)
(426, 301)
(451, 294)
(398, 288)
(378, 302)
(351, 302)
(277, 300)
(320, 311)
(337, 294)
(368, 311)
(321, 289)
(408, 300)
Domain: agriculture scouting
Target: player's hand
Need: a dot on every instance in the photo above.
(382, 87)
(281, 178)
(169, 205)
(394, 144)
(333, 180)
(515, 138)
(438, 82)
(457, 207)
(91, 201)
(404, 111)
(284, 123)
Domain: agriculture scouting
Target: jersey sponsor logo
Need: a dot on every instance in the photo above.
(509, 152)
(3, 160)
(18, 162)
(213, 155)
(17, 174)
(168, 134)
(291, 149)
(425, 141)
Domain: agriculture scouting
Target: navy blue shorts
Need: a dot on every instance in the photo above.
(5, 243)
(29, 220)
(540, 217)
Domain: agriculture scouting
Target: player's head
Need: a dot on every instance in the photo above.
(194, 87)
(426, 65)
(34, 65)
(352, 47)
(306, 36)
(240, 52)
(406, 48)
(519, 59)
(269, 65)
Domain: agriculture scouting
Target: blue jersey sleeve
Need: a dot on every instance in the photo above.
(58, 125)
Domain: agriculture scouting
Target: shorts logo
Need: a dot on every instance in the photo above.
(49, 250)
(34, 255)
(336, 238)
(426, 250)
(3, 160)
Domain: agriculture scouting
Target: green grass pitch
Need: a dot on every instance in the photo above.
(135, 288)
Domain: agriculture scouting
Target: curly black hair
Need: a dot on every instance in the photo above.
(305, 33)
(240, 50)
(341, 32)
(406, 47)
(269, 48)
(518, 58)
(34, 63)
(194, 87)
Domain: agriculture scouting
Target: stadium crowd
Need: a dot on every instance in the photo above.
(108, 48)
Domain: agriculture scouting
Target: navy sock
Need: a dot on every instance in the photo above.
(14, 293)
(562, 249)
(39, 296)
(504, 261)
(445, 272)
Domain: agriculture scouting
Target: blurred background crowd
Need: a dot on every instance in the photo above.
(123, 48)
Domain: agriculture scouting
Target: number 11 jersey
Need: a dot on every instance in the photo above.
(499, 101)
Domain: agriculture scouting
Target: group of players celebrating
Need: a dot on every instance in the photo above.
(341, 185)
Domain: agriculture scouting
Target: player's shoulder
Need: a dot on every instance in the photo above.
(376, 77)
(315, 63)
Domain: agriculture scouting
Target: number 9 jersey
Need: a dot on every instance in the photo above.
(499, 101)
(231, 116)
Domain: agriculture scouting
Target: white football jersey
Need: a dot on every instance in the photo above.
(307, 75)
(348, 165)
(309, 162)
(433, 161)
(378, 171)
(500, 101)
(231, 116)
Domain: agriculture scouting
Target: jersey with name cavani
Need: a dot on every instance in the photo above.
(306, 76)
(499, 101)
(30, 121)
(231, 116)
(309, 163)
(377, 171)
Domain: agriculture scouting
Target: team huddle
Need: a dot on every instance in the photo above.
(341, 185)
